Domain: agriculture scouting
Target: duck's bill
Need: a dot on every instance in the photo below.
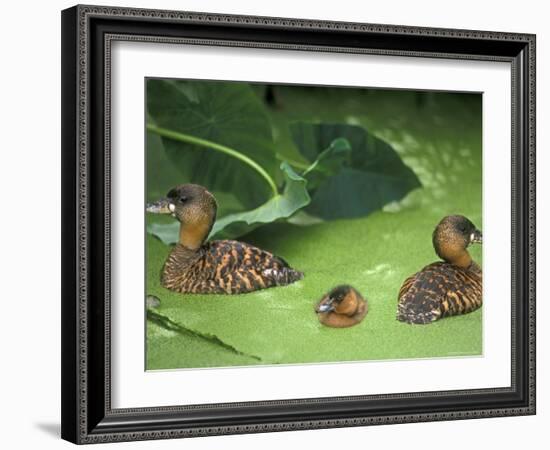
(162, 206)
(325, 306)
(476, 237)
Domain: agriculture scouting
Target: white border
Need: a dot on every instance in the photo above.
(133, 387)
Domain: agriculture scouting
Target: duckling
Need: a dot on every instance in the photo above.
(342, 307)
(216, 267)
(444, 288)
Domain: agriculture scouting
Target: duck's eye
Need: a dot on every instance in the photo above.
(182, 199)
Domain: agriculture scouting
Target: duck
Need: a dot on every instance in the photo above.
(448, 287)
(197, 266)
(342, 307)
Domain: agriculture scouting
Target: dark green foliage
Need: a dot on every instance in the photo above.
(225, 113)
(281, 206)
(349, 172)
(369, 175)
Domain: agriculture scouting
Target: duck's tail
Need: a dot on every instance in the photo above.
(283, 276)
(418, 312)
(293, 275)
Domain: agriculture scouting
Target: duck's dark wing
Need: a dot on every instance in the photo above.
(439, 290)
(407, 284)
(237, 267)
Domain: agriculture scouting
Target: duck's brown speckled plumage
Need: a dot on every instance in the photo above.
(439, 290)
(225, 267)
(342, 307)
(217, 267)
(444, 288)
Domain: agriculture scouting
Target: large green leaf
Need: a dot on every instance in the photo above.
(294, 197)
(328, 163)
(227, 114)
(369, 177)
(165, 340)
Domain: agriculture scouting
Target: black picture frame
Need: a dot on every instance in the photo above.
(87, 32)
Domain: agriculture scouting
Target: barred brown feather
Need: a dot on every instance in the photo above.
(225, 267)
(440, 289)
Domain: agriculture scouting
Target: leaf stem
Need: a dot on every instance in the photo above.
(170, 134)
(299, 165)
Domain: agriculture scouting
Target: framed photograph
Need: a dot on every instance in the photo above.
(281, 224)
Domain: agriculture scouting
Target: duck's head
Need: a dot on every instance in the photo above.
(341, 300)
(194, 207)
(451, 238)
(342, 307)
